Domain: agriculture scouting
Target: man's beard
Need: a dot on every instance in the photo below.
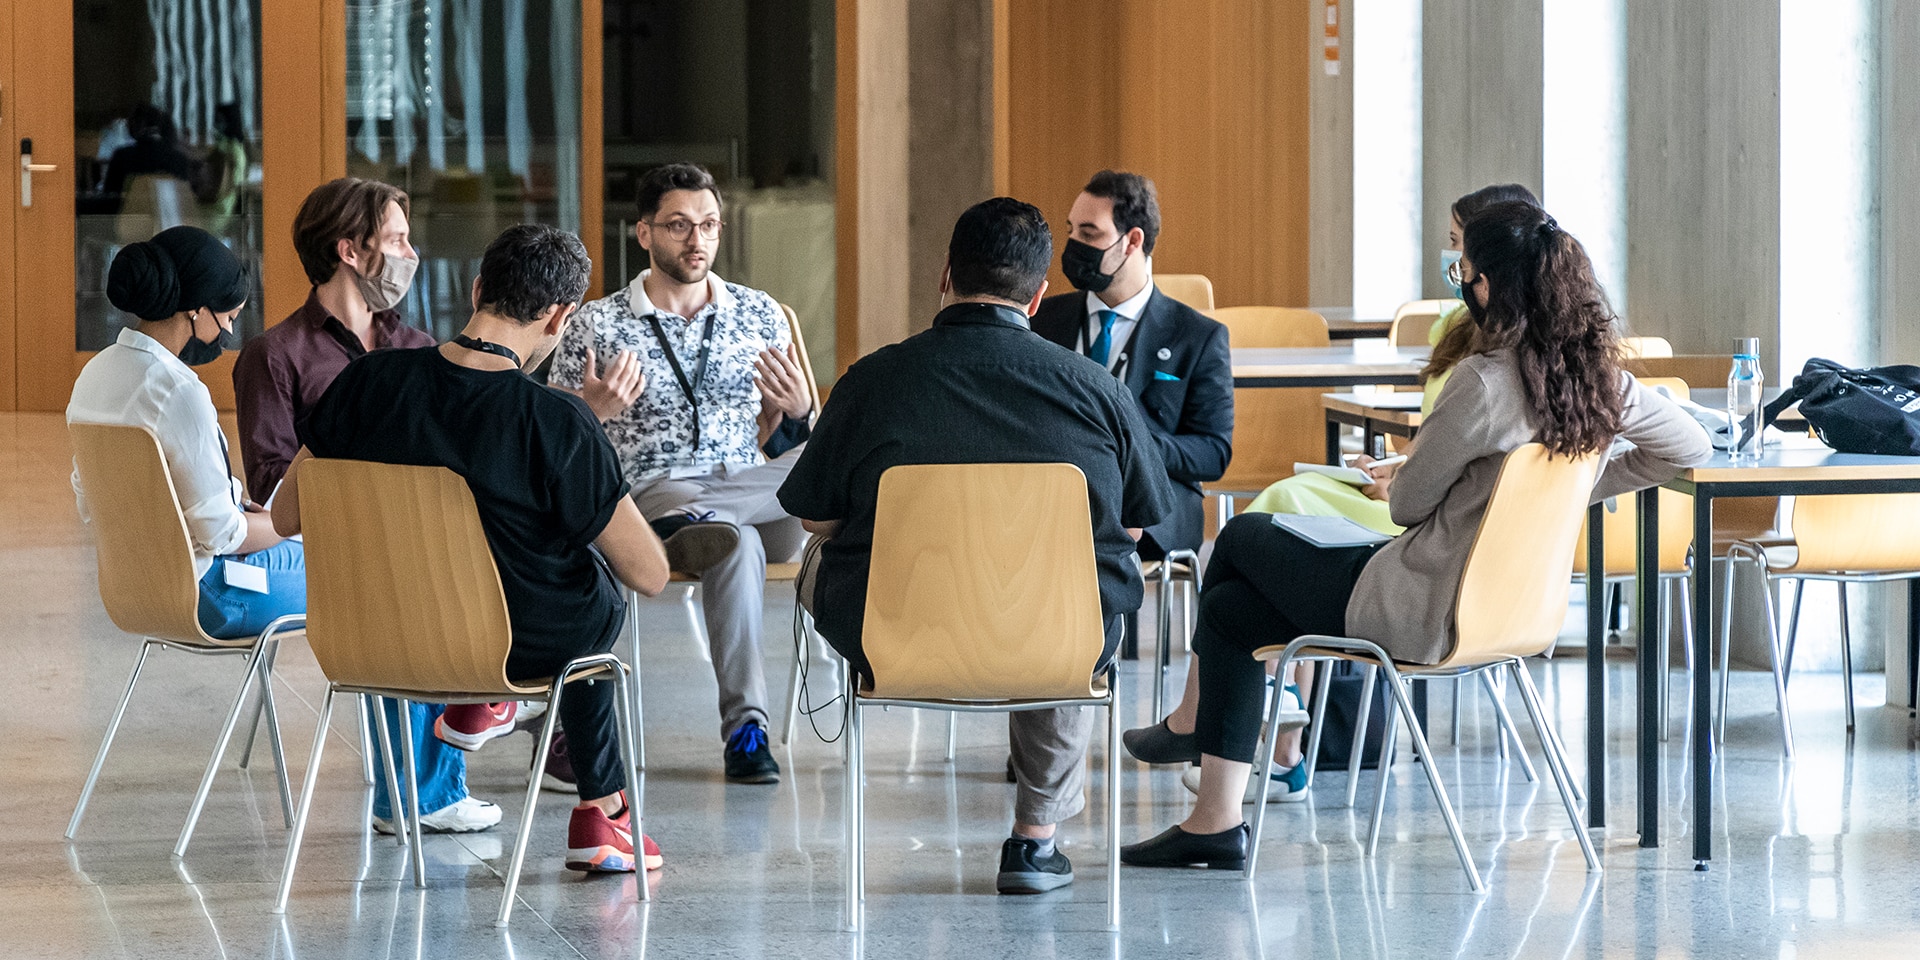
(681, 272)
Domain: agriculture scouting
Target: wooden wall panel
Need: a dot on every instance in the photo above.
(871, 176)
(9, 190)
(40, 105)
(1208, 98)
(303, 95)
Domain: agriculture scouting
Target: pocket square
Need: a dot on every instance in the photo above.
(1163, 375)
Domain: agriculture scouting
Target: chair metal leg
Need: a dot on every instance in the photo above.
(1425, 755)
(1359, 748)
(1685, 587)
(1264, 767)
(255, 664)
(638, 717)
(106, 741)
(1163, 635)
(366, 739)
(405, 709)
(1556, 761)
(953, 735)
(1846, 649)
(1387, 743)
(533, 798)
(397, 811)
(1500, 739)
(632, 736)
(1793, 628)
(1779, 671)
(1726, 643)
(253, 726)
(306, 803)
(1458, 688)
(273, 739)
(1322, 682)
(802, 652)
(1497, 693)
(699, 625)
(852, 802)
(1666, 657)
(1113, 804)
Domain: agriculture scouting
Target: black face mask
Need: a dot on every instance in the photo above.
(1475, 309)
(198, 351)
(1081, 263)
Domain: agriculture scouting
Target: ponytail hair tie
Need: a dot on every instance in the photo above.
(1548, 227)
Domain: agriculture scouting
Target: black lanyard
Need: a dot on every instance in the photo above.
(688, 386)
(475, 343)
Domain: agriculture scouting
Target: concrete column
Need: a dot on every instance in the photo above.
(1330, 165)
(950, 137)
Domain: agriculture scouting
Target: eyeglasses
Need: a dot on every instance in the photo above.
(682, 229)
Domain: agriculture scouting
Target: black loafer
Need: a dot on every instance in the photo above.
(1226, 850)
(692, 545)
(1022, 871)
(1157, 744)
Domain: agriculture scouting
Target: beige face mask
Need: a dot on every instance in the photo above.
(385, 291)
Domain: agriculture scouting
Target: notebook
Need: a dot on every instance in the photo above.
(1328, 531)
(1353, 475)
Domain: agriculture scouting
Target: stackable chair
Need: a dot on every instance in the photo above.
(1413, 321)
(404, 603)
(1511, 603)
(1276, 427)
(1847, 538)
(148, 587)
(1192, 289)
(1180, 567)
(982, 597)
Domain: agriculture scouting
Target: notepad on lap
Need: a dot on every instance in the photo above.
(1328, 531)
(1353, 475)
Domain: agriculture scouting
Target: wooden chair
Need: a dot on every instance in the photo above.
(1414, 320)
(982, 597)
(1701, 372)
(1850, 538)
(405, 603)
(1511, 601)
(1647, 348)
(148, 586)
(1272, 428)
(1192, 289)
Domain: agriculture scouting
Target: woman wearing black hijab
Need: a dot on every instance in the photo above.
(186, 288)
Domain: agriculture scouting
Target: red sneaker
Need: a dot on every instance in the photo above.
(599, 844)
(468, 725)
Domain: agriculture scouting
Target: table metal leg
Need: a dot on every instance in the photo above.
(1702, 681)
(1596, 667)
(1333, 441)
(1913, 648)
(1646, 675)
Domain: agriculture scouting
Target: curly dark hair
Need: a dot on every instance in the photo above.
(1544, 304)
(531, 267)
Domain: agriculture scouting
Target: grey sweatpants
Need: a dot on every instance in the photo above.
(733, 592)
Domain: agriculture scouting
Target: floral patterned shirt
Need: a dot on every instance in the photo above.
(655, 435)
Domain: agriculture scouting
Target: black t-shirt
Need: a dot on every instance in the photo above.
(542, 474)
(977, 388)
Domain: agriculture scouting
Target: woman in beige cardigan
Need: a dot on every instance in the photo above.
(1544, 369)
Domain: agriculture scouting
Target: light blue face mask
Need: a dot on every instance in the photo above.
(1447, 260)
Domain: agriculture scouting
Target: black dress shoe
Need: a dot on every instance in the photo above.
(1157, 744)
(695, 545)
(1226, 850)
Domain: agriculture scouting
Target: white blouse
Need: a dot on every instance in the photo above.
(136, 382)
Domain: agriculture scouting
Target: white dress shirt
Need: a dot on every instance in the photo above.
(1129, 311)
(135, 382)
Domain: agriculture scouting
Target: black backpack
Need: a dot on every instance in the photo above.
(1875, 410)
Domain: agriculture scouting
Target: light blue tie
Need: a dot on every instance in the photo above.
(1103, 344)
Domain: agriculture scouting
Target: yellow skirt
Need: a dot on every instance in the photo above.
(1317, 495)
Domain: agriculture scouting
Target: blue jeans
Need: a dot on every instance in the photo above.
(442, 767)
(229, 613)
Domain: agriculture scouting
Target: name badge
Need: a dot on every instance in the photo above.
(244, 576)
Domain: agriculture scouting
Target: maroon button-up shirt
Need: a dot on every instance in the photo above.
(282, 373)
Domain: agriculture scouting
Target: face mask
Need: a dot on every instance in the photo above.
(385, 291)
(1474, 307)
(1447, 259)
(1081, 263)
(198, 351)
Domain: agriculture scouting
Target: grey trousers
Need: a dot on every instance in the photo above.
(733, 592)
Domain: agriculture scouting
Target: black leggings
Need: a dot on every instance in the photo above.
(586, 713)
(1264, 586)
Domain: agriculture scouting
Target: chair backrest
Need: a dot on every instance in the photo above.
(1513, 594)
(1857, 532)
(1192, 289)
(1414, 320)
(402, 591)
(1622, 522)
(142, 548)
(806, 362)
(1273, 428)
(1646, 347)
(1700, 371)
(982, 584)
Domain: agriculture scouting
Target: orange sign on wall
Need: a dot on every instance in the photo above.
(1333, 38)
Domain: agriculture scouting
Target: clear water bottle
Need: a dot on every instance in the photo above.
(1744, 409)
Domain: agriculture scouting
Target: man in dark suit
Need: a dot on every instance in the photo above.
(1173, 359)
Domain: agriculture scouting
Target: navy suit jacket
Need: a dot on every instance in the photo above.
(1178, 368)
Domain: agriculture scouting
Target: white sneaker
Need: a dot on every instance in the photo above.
(465, 815)
(531, 715)
(1289, 785)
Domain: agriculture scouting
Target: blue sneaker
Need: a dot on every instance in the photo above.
(1289, 785)
(748, 758)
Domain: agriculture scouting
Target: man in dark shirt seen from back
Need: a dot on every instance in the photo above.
(981, 387)
(547, 486)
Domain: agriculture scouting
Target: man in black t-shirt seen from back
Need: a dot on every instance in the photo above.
(547, 485)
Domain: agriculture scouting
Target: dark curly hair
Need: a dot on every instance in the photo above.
(1544, 304)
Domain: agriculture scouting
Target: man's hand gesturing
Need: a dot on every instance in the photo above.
(611, 395)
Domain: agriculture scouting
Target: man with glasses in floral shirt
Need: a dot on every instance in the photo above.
(697, 384)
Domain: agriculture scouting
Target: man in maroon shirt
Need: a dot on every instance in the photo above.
(351, 236)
